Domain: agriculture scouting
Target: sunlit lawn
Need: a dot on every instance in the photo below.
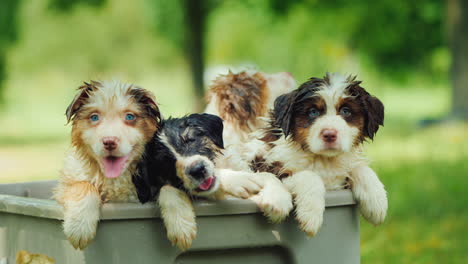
(425, 172)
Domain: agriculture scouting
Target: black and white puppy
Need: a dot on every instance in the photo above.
(179, 163)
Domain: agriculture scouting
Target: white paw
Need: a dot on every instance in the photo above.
(181, 232)
(310, 222)
(370, 194)
(274, 201)
(241, 184)
(178, 216)
(80, 230)
(373, 207)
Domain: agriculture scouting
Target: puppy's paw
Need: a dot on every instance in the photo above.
(310, 221)
(181, 232)
(178, 216)
(241, 184)
(373, 207)
(274, 201)
(80, 230)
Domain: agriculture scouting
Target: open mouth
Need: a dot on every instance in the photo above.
(114, 166)
(207, 184)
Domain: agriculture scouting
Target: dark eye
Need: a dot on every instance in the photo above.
(314, 112)
(198, 133)
(130, 117)
(94, 117)
(345, 111)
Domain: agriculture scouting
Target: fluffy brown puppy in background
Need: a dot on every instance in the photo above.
(242, 99)
(111, 123)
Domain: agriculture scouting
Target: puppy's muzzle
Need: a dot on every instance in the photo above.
(197, 171)
(201, 175)
(110, 143)
(329, 135)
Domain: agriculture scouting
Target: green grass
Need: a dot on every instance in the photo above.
(424, 171)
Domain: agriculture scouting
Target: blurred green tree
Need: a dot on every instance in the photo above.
(9, 10)
(67, 5)
(458, 34)
(184, 23)
(8, 35)
(394, 34)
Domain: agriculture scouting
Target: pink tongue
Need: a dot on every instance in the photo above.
(206, 184)
(113, 166)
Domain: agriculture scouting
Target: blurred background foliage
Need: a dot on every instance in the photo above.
(399, 48)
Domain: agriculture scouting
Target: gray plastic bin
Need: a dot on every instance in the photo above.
(231, 231)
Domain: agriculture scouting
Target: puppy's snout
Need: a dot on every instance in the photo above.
(197, 171)
(110, 143)
(329, 135)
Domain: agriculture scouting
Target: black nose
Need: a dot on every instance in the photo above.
(197, 171)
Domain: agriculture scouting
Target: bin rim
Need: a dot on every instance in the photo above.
(48, 208)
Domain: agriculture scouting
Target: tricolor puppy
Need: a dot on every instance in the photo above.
(111, 123)
(180, 162)
(314, 144)
(242, 99)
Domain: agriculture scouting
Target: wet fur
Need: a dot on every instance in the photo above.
(82, 187)
(243, 100)
(293, 149)
(193, 135)
(163, 173)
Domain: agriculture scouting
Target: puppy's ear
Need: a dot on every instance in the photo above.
(374, 115)
(80, 99)
(373, 108)
(146, 99)
(142, 188)
(282, 112)
(214, 127)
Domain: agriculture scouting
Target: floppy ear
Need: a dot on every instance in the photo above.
(282, 112)
(214, 126)
(142, 188)
(374, 115)
(146, 99)
(373, 108)
(79, 100)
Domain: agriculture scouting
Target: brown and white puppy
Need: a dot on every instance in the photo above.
(314, 144)
(243, 99)
(111, 123)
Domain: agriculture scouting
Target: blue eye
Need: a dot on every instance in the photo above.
(313, 112)
(94, 117)
(345, 111)
(129, 117)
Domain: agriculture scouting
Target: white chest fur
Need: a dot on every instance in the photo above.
(334, 171)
